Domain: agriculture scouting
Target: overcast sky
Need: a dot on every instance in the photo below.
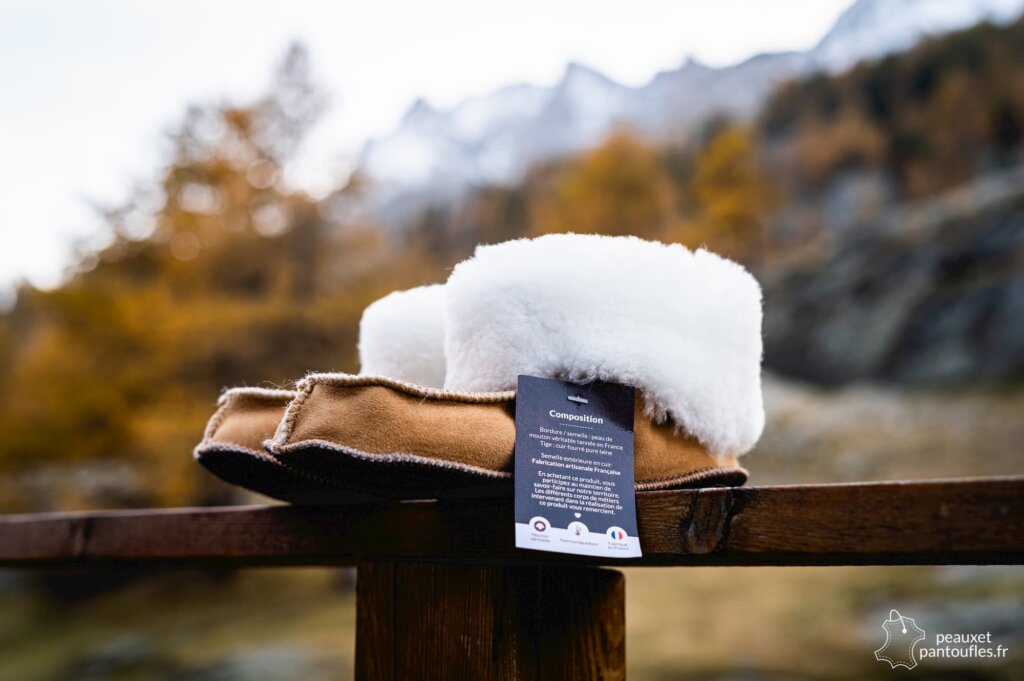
(87, 88)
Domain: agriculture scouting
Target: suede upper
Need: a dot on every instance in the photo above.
(388, 438)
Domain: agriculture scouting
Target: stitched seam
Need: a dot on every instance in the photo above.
(413, 459)
(699, 474)
(306, 386)
(291, 412)
(259, 393)
(412, 388)
(388, 458)
(217, 419)
(266, 458)
(230, 396)
(274, 446)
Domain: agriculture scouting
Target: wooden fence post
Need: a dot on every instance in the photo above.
(462, 622)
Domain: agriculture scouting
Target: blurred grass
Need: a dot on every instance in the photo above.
(869, 432)
(794, 623)
(182, 625)
(700, 623)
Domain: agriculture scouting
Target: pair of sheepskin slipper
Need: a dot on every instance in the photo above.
(432, 413)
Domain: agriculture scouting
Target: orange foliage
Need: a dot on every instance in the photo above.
(732, 196)
(241, 281)
(621, 187)
(824, 149)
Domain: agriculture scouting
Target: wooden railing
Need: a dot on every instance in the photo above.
(443, 593)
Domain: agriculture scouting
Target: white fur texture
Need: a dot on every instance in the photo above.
(683, 327)
(402, 336)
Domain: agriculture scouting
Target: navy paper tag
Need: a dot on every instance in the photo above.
(574, 468)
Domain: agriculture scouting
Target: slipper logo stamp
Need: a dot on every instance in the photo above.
(901, 637)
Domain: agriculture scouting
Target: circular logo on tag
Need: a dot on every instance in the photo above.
(539, 524)
(616, 533)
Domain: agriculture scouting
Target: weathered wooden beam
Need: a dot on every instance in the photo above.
(433, 621)
(943, 521)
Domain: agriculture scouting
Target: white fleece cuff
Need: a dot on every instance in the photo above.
(401, 336)
(683, 327)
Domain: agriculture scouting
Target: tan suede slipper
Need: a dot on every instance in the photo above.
(341, 434)
(232, 449)
(681, 327)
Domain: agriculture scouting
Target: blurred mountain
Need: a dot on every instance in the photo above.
(493, 140)
(434, 153)
(931, 294)
(881, 206)
(875, 28)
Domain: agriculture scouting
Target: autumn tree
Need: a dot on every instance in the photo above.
(221, 273)
(621, 187)
(730, 194)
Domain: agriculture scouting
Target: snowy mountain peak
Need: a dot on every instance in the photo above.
(575, 69)
(873, 28)
(420, 109)
(494, 138)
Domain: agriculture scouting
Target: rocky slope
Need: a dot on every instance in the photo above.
(934, 294)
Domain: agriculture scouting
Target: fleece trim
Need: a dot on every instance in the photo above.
(260, 408)
(402, 336)
(682, 326)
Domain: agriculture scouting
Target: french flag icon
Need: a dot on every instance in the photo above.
(616, 533)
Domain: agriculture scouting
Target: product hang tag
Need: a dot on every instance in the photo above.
(574, 468)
